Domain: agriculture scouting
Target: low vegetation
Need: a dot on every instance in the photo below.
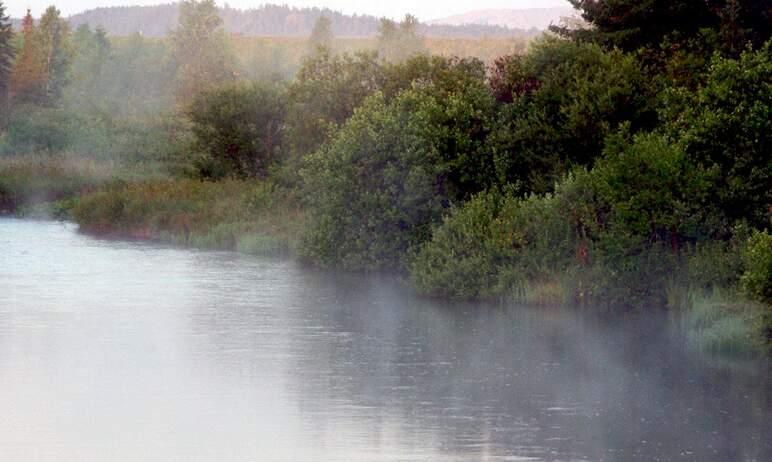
(239, 215)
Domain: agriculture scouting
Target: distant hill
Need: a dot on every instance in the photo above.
(524, 19)
(269, 21)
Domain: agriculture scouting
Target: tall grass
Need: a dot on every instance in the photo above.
(719, 321)
(244, 215)
(32, 183)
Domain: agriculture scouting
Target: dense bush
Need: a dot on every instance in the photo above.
(238, 129)
(387, 175)
(492, 246)
(620, 227)
(324, 94)
(374, 190)
(724, 128)
(566, 98)
(757, 257)
(36, 129)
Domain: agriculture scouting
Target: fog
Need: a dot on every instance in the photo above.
(394, 9)
(172, 354)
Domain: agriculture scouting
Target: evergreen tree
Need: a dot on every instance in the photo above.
(645, 24)
(200, 49)
(6, 60)
(27, 75)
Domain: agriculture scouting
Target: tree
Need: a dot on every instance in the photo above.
(7, 53)
(321, 35)
(52, 36)
(91, 52)
(724, 128)
(201, 50)
(27, 75)
(325, 93)
(397, 42)
(566, 98)
(646, 24)
(237, 127)
(377, 188)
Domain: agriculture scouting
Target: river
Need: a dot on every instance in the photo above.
(133, 351)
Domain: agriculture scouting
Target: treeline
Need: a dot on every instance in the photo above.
(84, 91)
(268, 20)
(625, 165)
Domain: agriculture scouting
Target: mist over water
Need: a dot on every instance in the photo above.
(114, 350)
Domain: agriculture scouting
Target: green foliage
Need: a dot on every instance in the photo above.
(237, 127)
(371, 190)
(324, 94)
(566, 99)
(633, 25)
(42, 68)
(35, 129)
(650, 190)
(724, 128)
(493, 245)
(718, 322)
(385, 177)
(619, 229)
(52, 36)
(756, 281)
(713, 264)
(34, 180)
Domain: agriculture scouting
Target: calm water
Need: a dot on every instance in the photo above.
(113, 351)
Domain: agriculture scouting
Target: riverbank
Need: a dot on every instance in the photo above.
(261, 218)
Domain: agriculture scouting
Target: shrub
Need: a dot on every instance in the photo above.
(244, 215)
(324, 94)
(376, 189)
(237, 127)
(493, 245)
(566, 98)
(37, 129)
(719, 322)
(372, 190)
(756, 281)
(724, 129)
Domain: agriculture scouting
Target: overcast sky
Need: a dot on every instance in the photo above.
(424, 9)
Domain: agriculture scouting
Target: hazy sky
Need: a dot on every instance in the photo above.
(391, 8)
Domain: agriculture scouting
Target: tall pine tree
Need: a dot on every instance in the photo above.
(645, 24)
(6, 60)
(52, 36)
(27, 76)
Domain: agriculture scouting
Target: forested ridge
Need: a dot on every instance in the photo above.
(267, 21)
(623, 165)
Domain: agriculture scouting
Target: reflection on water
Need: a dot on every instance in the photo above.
(129, 351)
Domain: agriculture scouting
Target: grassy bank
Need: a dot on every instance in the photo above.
(260, 218)
(29, 182)
(721, 320)
(247, 216)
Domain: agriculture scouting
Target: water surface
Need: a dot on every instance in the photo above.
(129, 351)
